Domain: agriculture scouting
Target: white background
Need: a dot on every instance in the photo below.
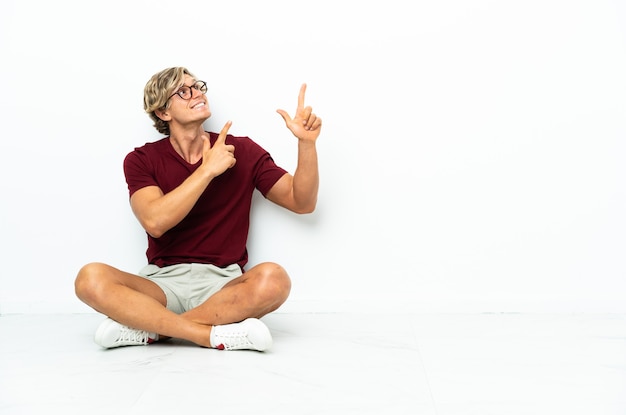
(471, 158)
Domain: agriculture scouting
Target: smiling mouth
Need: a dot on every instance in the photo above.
(199, 105)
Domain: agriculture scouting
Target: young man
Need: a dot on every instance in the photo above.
(191, 192)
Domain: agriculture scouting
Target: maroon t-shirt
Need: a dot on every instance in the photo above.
(216, 229)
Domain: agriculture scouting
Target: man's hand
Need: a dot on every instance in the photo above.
(305, 125)
(219, 157)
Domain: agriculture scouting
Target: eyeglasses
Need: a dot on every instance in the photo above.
(186, 92)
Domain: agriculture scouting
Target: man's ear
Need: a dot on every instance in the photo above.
(164, 115)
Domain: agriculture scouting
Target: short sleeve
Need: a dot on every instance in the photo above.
(138, 171)
(266, 172)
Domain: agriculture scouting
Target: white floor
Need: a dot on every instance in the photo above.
(326, 364)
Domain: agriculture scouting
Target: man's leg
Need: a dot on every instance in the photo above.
(234, 311)
(135, 302)
(259, 291)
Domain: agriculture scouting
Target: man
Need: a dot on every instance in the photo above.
(192, 192)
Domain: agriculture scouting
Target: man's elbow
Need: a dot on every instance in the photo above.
(305, 209)
(155, 234)
(153, 229)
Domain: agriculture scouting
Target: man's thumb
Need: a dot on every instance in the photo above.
(285, 116)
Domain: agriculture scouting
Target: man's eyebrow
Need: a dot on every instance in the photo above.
(193, 82)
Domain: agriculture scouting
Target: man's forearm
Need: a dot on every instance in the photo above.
(306, 177)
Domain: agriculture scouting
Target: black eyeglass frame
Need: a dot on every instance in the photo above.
(198, 86)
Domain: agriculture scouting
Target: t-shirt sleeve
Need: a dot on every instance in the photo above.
(267, 174)
(138, 172)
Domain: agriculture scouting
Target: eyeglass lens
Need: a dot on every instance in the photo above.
(185, 92)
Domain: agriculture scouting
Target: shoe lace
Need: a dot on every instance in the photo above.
(130, 335)
(235, 339)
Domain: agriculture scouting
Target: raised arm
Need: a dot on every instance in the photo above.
(298, 192)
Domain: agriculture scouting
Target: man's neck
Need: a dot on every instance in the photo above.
(188, 142)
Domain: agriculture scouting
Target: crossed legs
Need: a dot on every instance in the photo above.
(139, 303)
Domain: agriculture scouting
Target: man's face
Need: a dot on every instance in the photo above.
(189, 103)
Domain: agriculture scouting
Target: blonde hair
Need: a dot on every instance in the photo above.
(158, 90)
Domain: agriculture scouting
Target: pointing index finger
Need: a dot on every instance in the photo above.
(222, 137)
(301, 96)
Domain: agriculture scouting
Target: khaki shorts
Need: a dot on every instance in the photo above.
(186, 286)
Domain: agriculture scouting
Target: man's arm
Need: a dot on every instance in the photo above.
(298, 193)
(157, 212)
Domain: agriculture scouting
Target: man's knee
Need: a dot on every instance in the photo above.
(274, 280)
(88, 280)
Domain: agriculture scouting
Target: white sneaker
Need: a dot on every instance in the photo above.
(250, 334)
(111, 334)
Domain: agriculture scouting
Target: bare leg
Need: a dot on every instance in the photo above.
(259, 291)
(139, 303)
(135, 302)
